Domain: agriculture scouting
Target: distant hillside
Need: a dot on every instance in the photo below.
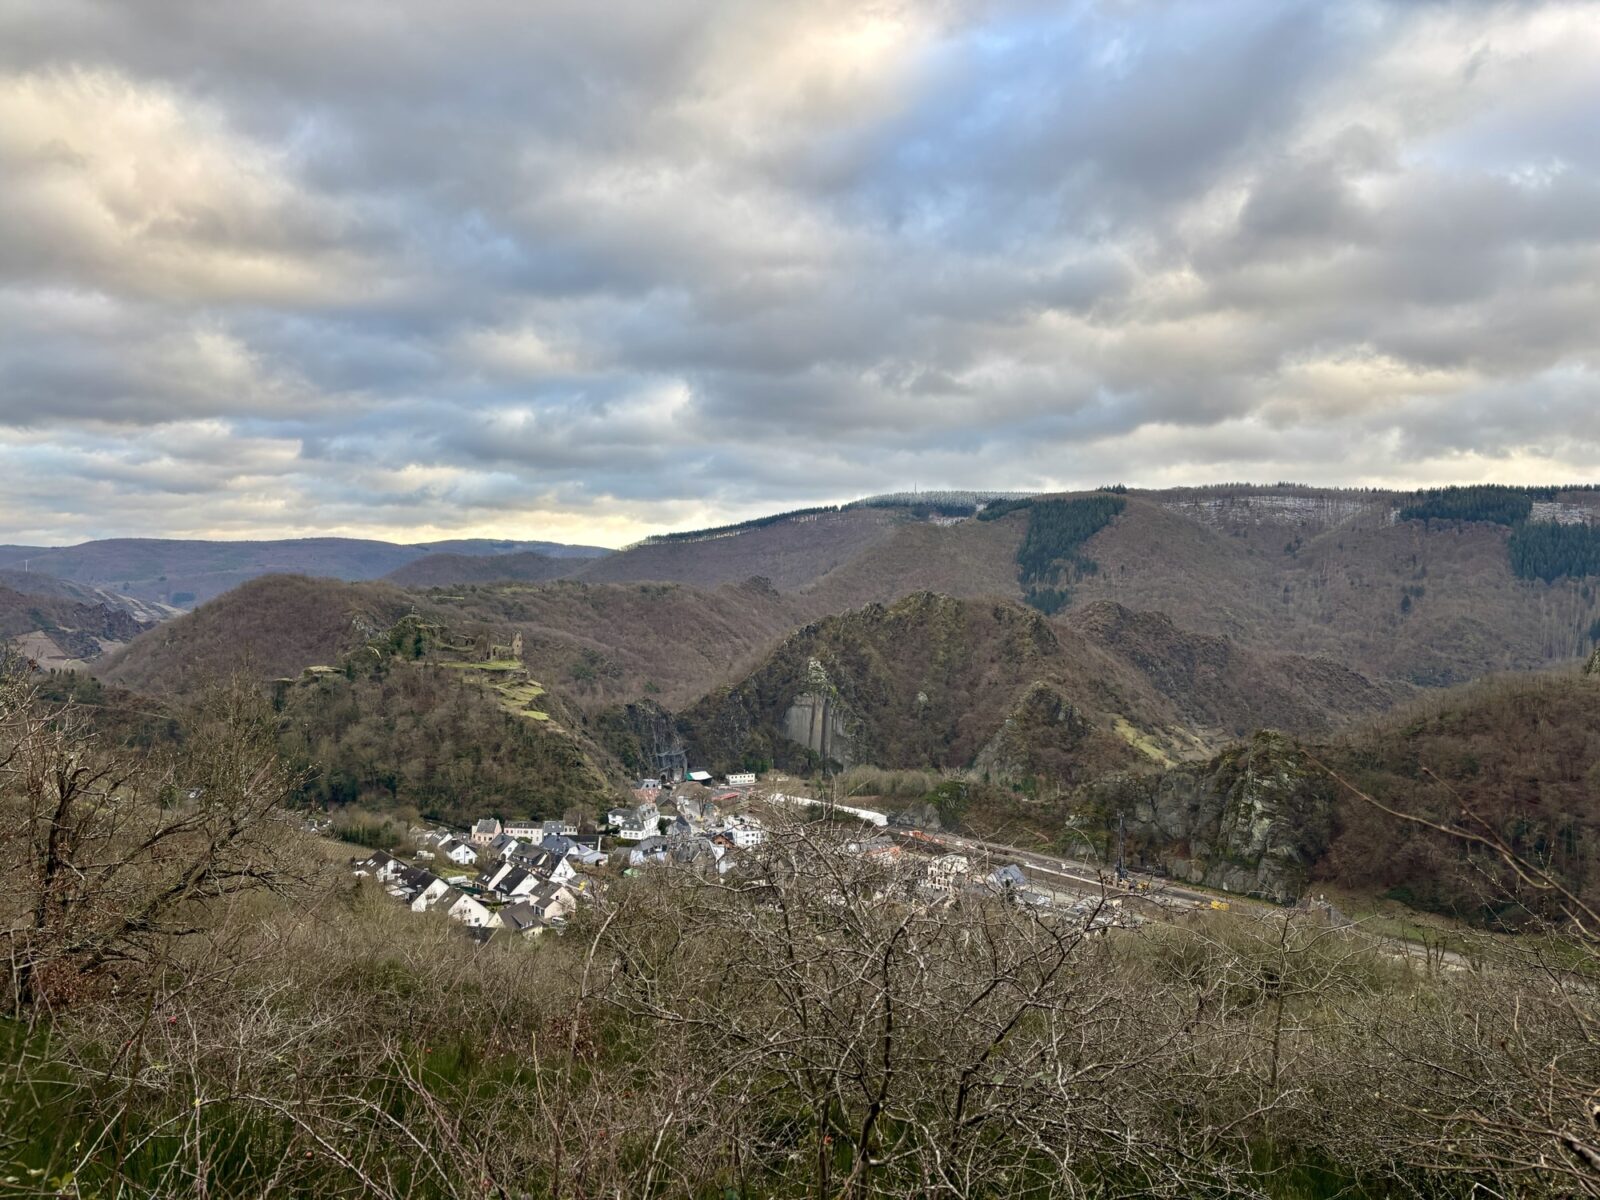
(437, 570)
(185, 573)
(791, 551)
(933, 681)
(35, 583)
(1431, 602)
(62, 632)
(1427, 589)
(276, 625)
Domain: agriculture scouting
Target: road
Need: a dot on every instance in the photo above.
(1075, 875)
(1088, 879)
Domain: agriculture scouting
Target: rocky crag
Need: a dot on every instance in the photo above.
(1255, 819)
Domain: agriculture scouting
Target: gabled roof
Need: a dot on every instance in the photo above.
(520, 916)
(512, 880)
(487, 825)
(417, 877)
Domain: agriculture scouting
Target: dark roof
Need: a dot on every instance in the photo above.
(513, 878)
(520, 916)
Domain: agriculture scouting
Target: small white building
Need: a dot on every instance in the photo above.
(742, 779)
(459, 853)
(432, 889)
(473, 913)
(745, 834)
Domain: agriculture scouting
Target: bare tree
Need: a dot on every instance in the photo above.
(106, 856)
(1505, 1068)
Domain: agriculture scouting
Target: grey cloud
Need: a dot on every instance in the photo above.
(418, 264)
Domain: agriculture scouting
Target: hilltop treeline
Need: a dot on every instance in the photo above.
(696, 535)
(1490, 503)
(1545, 550)
(1057, 530)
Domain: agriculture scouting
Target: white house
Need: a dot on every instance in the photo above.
(497, 873)
(432, 888)
(562, 872)
(552, 902)
(382, 866)
(522, 830)
(459, 853)
(742, 779)
(636, 828)
(473, 913)
(746, 835)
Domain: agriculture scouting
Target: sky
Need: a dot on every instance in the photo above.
(418, 269)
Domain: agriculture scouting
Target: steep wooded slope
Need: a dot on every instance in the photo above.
(1429, 602)
(934, 681)
(429, 717)
(276, 625)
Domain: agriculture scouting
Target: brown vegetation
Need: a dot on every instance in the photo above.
(275, 626)
(439, 570)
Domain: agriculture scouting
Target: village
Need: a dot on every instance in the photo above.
(526, 877)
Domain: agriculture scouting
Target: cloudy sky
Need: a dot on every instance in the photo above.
(579, 270)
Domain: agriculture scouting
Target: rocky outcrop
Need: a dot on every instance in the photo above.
(816, 721)
(1252, 820)
(1037, 740)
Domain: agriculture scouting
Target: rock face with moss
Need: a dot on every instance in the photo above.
(929, 681)
(1254, 819)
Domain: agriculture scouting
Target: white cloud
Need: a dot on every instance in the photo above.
(471, 267)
